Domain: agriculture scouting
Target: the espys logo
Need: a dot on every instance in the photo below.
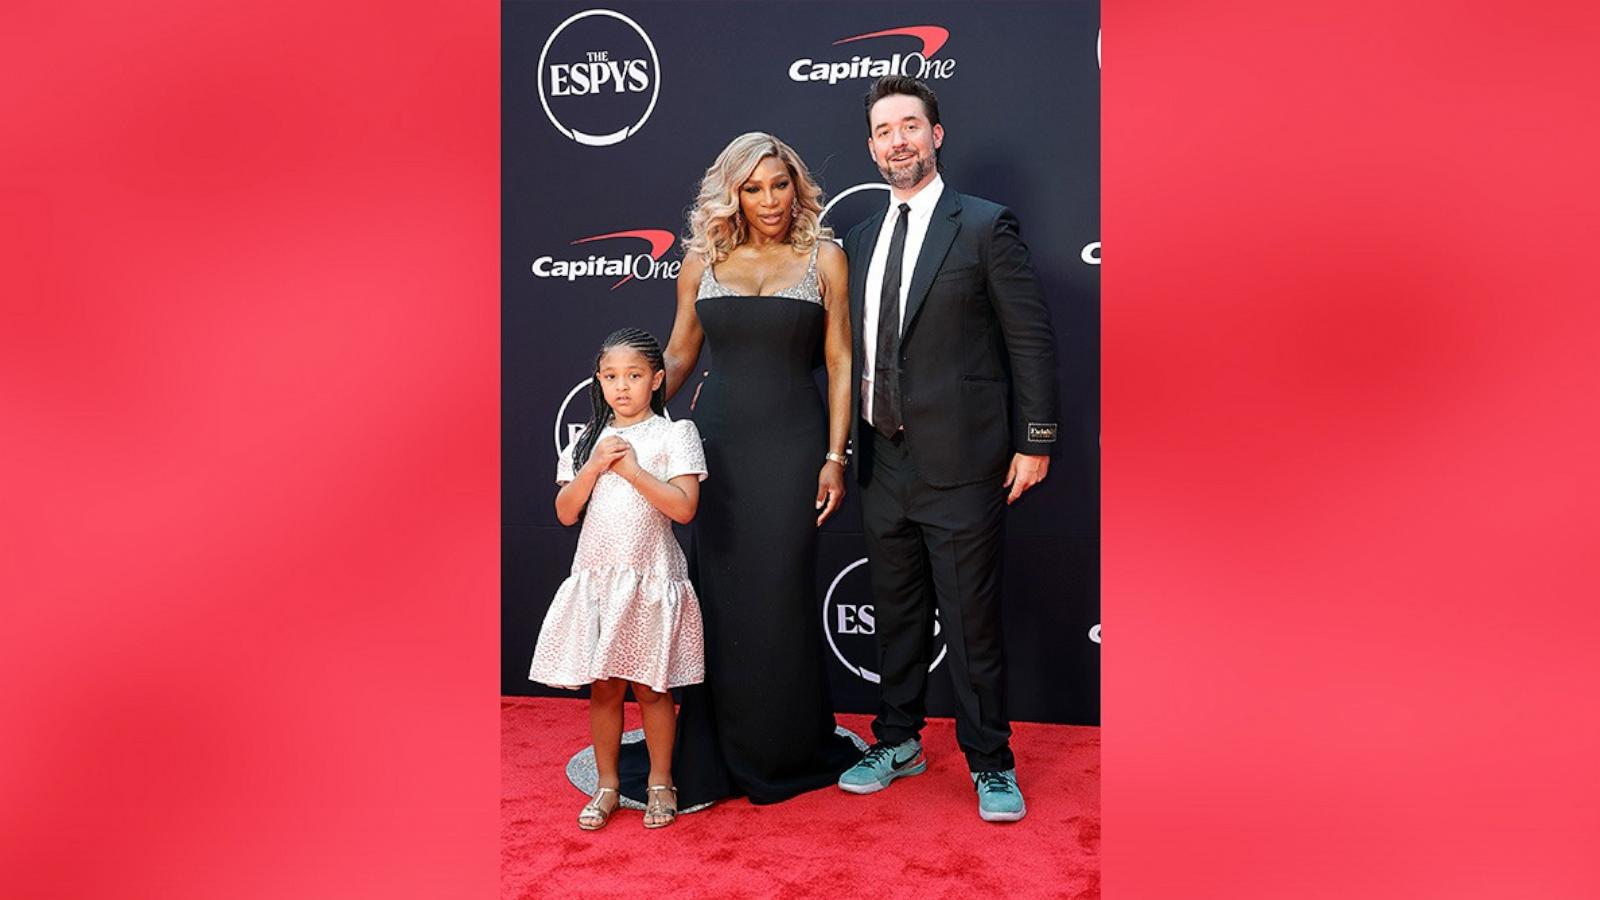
(867, 186)
(851, 626)
(572, 429)
(567, 431)
(599, 77)
(919, 63)
(627, 265)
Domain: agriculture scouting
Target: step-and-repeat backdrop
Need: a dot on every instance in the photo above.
(612, 113)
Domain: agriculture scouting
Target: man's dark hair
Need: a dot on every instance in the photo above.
(889, 85)
(903, 84)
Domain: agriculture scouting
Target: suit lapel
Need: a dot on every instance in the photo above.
(942, 229)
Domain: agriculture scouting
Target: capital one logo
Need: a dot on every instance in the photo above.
(918, 63)
(641, 265)
(851, 625)
(599, 77)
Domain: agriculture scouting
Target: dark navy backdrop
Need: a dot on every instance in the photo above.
(596, 184)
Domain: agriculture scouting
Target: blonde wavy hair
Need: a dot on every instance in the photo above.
(717, 225)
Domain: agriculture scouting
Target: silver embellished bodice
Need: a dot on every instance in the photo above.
(809, 288)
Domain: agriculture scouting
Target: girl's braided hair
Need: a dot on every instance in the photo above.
(646, 344)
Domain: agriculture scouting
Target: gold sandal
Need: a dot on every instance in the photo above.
(657, 814)
(593, 816)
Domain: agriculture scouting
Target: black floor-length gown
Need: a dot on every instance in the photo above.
(761, 725)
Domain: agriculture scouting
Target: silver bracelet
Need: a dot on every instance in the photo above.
(839, 458)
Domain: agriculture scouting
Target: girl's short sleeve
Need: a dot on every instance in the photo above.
(564, 470)
(685, 455)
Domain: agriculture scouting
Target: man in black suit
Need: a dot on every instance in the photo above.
(955, 363)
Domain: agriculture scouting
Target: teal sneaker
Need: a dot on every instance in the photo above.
(999, 798)
(883, 764)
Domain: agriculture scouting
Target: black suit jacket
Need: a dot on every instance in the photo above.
(977, 354)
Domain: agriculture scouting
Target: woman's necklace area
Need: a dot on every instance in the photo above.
(770, 250)
(769, 258)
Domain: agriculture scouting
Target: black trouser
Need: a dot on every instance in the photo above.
(929, 547)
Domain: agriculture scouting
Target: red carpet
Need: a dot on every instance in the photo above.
(921, 838)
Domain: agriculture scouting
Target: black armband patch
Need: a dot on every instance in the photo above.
(1042, 432)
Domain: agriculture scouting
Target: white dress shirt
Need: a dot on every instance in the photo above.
(922, 203)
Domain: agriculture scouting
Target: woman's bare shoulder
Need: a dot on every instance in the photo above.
(694, 266)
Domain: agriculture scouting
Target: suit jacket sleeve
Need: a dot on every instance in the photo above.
(1030, 341)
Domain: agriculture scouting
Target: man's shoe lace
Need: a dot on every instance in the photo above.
(994, 781)
(877, 753)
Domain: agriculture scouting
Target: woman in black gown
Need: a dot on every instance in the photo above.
(766, 288)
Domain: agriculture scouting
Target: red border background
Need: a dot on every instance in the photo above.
(250, 373)
(1349, 429)
(250, 450)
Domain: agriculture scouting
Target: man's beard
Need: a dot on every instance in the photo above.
(908, 175)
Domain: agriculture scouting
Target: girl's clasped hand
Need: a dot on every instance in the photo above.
(610, 451)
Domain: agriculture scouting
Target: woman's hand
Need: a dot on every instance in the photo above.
(830, 489)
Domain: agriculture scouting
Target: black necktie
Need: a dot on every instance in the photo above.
(886, 363)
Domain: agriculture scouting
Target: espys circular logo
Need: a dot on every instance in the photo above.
(566, 430)
(851, 626)
(869, 186)
(599, 77)
(572, 429)
(600, 265)
(919, 63)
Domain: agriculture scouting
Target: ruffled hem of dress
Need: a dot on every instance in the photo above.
(644, 576)
(617, 622)
(568, 685)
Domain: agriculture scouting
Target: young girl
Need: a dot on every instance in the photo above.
(627, 614)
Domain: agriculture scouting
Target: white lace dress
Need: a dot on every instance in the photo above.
(627, 610)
